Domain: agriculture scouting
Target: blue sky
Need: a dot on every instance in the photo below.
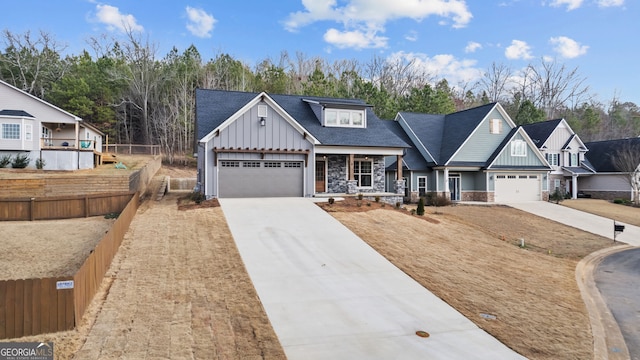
(455, 39)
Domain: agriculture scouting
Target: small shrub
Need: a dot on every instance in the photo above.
(368, 203)
(420, 209)
(113, 215)
(40, 163)
(557, 196)
(197, 197)
(398, 204)
(21, 161)
(383, 204)
(360, 196)
(5, 160)
(377, 198)
(331, 201)
(413, 211)
(618, 201)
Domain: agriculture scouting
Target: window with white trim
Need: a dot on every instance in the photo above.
(28, 132)
(518, 148)
(345, 118)
(573, 160)
(11, 131)
(422, 185)
(495, 126)
(363, 172)
(553, 159)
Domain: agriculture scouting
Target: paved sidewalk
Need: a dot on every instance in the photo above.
(329, 295)
(581, 220)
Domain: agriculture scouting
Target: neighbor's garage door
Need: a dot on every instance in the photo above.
(519, 187)
(242, 178)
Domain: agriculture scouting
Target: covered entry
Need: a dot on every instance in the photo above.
(517, 187)
(260, 178)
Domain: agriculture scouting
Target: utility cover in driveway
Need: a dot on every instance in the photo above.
(329, 295)
(250, 178)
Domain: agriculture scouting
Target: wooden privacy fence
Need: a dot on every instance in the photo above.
(63, 207)
(37, 306)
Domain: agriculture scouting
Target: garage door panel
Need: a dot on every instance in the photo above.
(519, 187)
(260, 179)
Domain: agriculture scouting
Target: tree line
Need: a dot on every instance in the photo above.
(126, 90)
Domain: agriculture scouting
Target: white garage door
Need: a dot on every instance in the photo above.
(250, 178)
(518, 187)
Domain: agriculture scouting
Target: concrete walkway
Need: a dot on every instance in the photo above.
(581, 220)
(329, 295)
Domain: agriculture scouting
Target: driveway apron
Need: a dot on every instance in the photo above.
(581, 220)
(329, 295)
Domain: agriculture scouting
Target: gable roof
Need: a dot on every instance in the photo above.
(601, 152)
(443, 135)
(76, 118)
(507, 140)
(539, 132)
(215, 107)
(411, 159)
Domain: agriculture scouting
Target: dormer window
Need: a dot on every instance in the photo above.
(344, 118)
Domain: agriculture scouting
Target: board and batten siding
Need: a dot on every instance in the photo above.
(246, 132)
(505, 158)
(481, 144)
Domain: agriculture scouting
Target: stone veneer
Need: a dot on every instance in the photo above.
(337, 176)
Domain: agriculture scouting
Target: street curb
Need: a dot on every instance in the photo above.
(608, 342)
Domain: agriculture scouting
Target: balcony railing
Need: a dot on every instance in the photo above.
(62, 143)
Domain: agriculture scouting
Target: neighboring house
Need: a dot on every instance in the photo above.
(609, 182)
(31, 126)
(477, 154)
(564, 151)
(263, 145)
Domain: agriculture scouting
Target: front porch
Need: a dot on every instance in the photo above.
(352, 174)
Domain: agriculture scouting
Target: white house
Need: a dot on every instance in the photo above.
(31, 126)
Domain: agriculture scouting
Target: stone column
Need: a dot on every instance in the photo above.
(399, 186)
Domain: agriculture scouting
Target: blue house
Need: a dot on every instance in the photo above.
(477, 154)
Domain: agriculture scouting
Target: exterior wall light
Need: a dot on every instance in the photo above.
(263, 121)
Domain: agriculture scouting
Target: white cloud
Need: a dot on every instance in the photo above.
(443, 66)
(411, 36)
(354, 39)
(518, 50)
(472, 46)
(200, 23)
(568, 48)
(571, 4)
(610, 3)
(111, 16)
(370, 16)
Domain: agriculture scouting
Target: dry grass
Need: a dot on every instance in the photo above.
(48, 248)
(463, 259)
(624, 213)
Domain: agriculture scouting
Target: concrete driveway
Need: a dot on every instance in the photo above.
(581, 220)
(329, 295)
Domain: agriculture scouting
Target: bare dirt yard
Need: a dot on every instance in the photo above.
(470, 256)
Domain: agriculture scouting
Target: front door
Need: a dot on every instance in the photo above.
(454, 187)
(321, 176)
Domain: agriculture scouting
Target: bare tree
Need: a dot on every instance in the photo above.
(32, 63)
(554, 86)
(627, 160)
(495, 82)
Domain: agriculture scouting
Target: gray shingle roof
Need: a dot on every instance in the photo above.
(412, 158)
(539, 132)
(213, 107)
(15, 113)
(443, 135)
(601, 152)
